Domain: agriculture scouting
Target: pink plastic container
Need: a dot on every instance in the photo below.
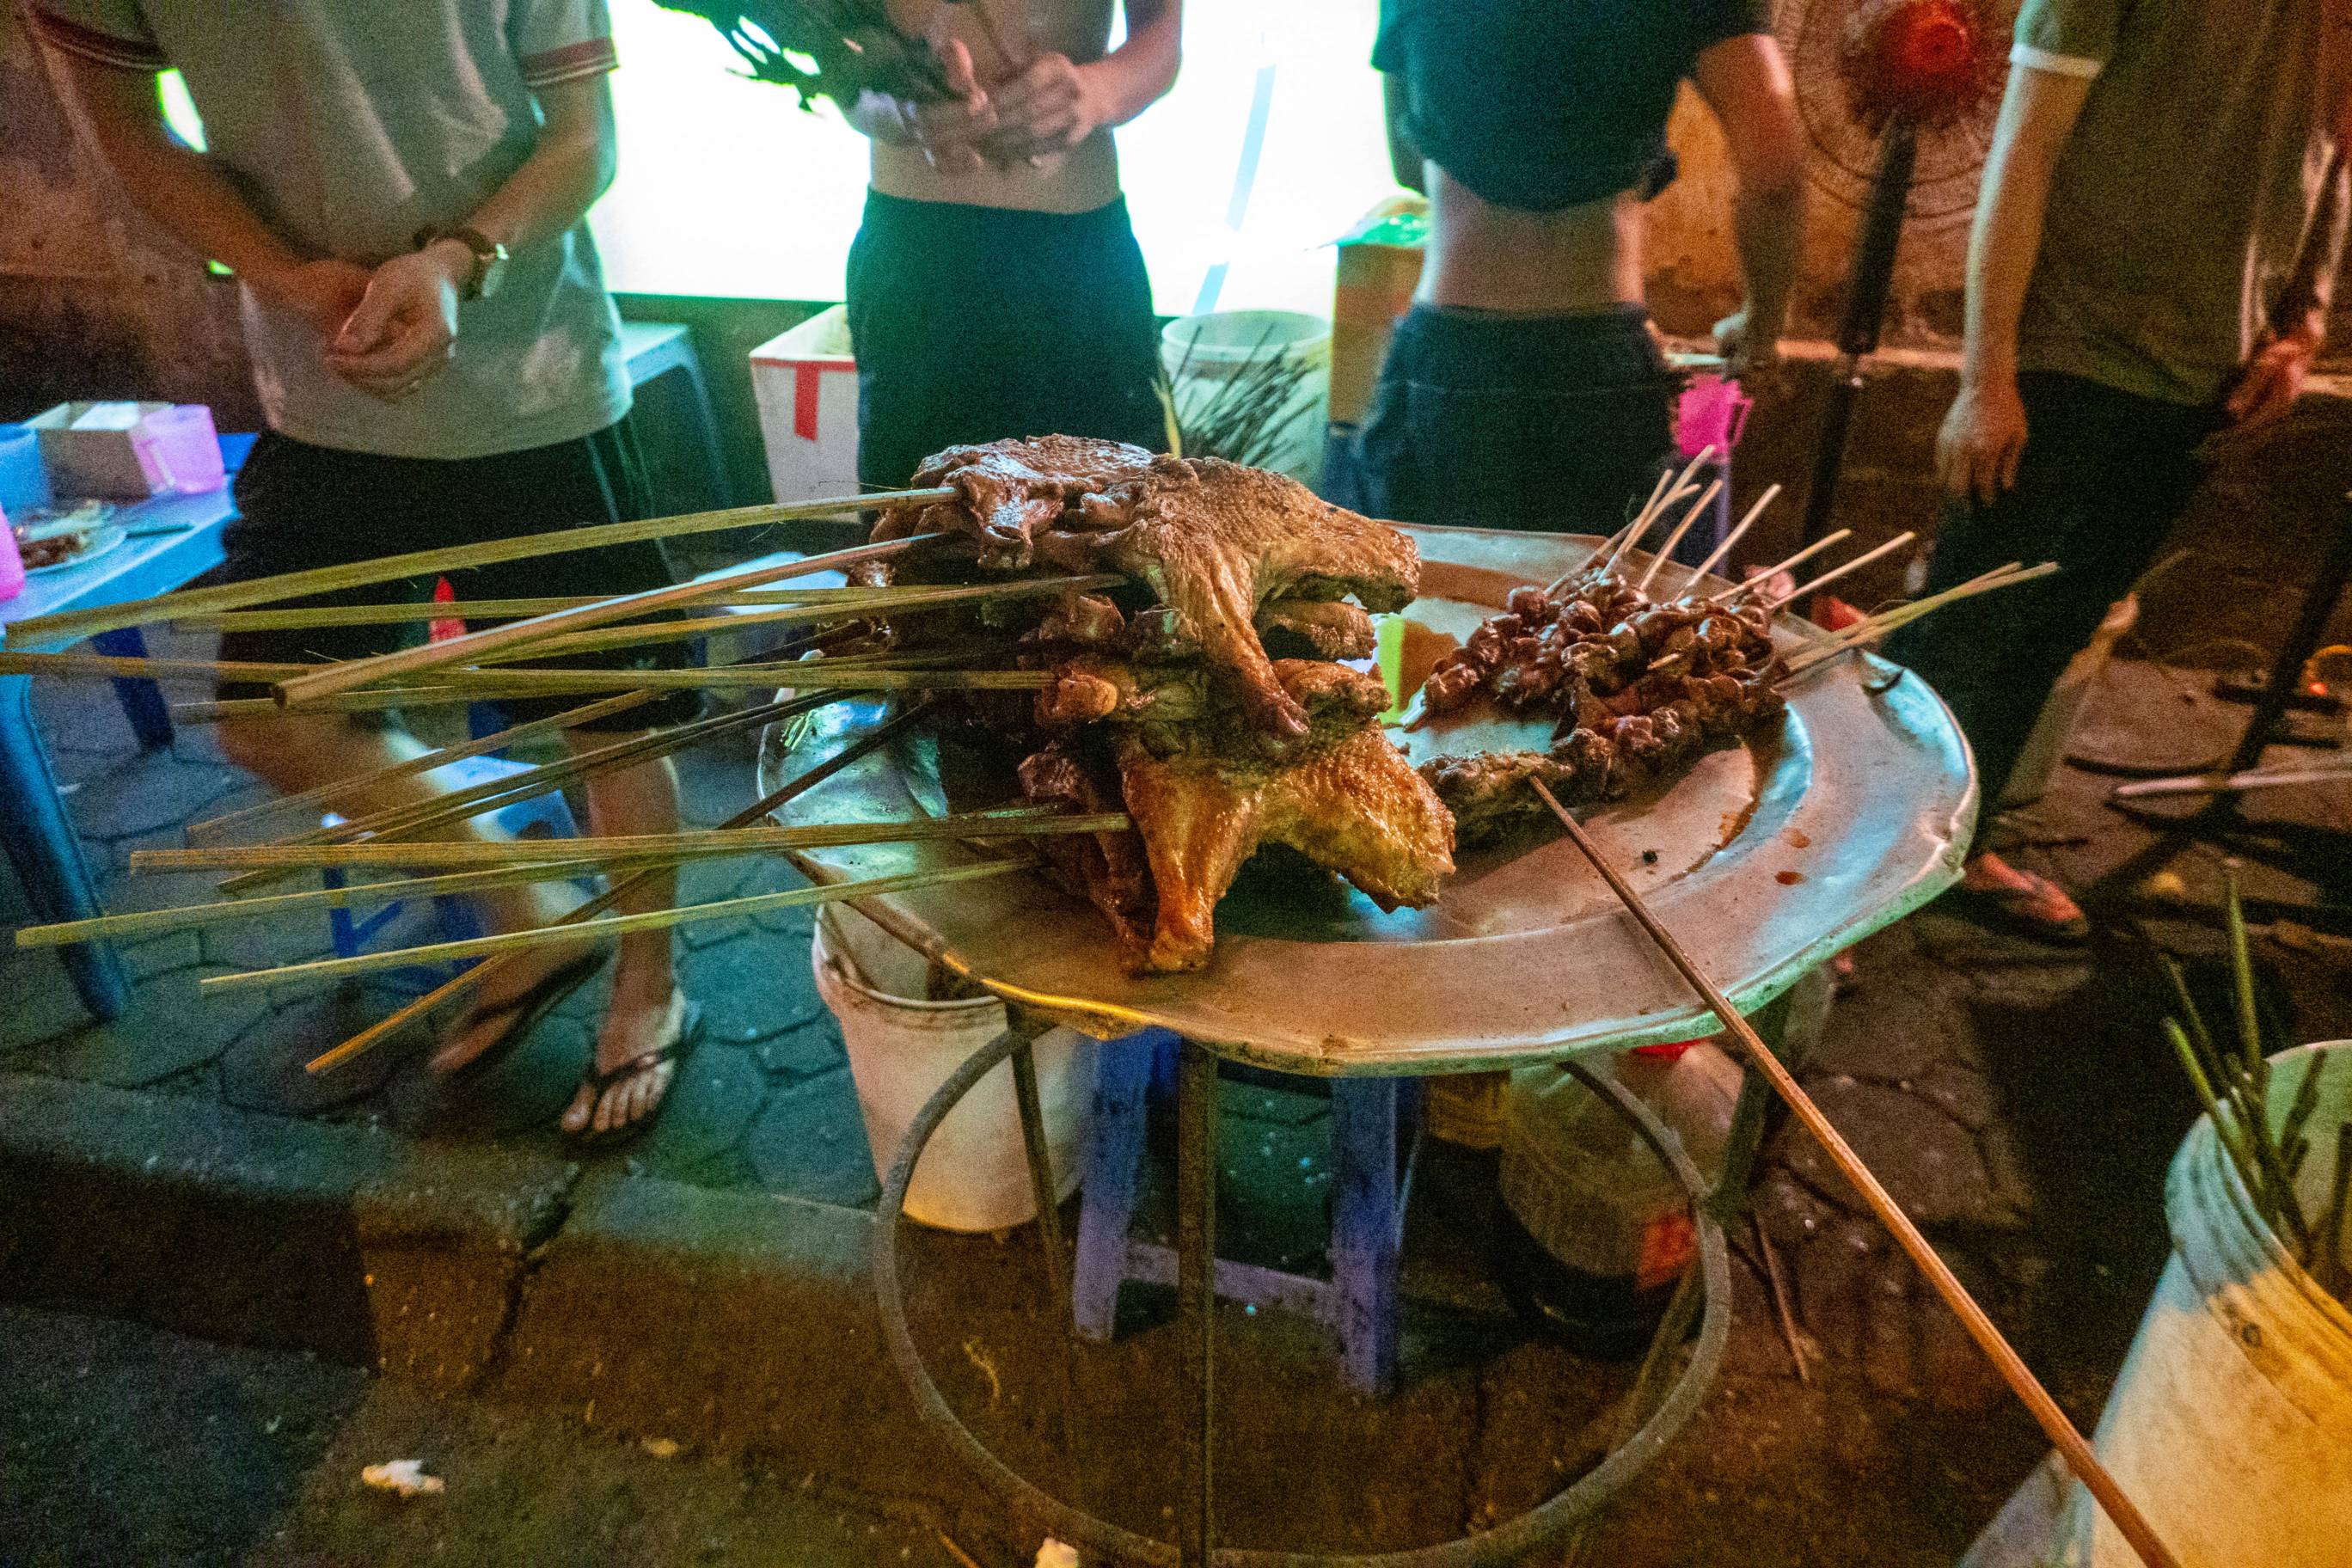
(12, 563)
(1712, 413)
(178, 446)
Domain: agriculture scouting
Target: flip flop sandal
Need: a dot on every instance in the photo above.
(2017, 910)
(526, 1008)
(689, 1031)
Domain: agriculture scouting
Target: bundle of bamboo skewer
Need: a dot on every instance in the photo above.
(483, 663)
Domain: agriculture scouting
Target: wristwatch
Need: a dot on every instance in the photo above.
(489, 257)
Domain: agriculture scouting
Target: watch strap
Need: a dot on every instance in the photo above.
(486, 252)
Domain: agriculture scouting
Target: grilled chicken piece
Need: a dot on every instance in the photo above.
(1007, 491)
(1357, 807)
(1213, 540)
(1109, 867)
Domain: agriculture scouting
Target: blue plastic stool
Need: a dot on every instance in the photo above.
(1370, 1187)
(543, 815)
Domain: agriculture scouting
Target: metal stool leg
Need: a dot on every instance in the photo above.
(1123, 1070)
(1196, 1296)
(41, 843)
(142, 703)
(1364, 1225)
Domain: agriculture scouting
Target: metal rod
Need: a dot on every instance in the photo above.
(2011, 1366)
(1196, 1296)
(1047, 1194)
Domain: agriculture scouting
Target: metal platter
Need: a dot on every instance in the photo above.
(1765, 858)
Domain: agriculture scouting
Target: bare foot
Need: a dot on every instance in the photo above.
(636, 1062)
(2034, 903)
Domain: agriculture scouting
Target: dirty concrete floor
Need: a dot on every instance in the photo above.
(2016, 1099)
(123, 1444)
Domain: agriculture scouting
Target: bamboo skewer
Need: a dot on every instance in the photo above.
(417, 818)
(1833, 573)
(440, 757)
(1766, 575)
(816, 603)
(613, 925)
(707, 845)
(351, 674)
(476, 686)
(467, 979)
(1642, 523)
(1723, 549)
(185, 917)
(78, 624)
(1664, 552)
(2011, 1366)
(1886, 621)
(111, 666)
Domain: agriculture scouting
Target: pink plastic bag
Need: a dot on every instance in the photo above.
(1711, 413)
(12, 562)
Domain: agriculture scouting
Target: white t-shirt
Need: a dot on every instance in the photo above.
(350, 125)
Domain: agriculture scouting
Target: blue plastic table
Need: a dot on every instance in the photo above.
(33, 825)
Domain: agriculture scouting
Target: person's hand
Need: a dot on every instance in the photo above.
(2272, 380)
(1751, 359)
(405, 327)
(947, 131)
(1049, 108)
(1983, 440)
(323, 293)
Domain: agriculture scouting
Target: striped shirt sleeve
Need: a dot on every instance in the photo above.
(110, 32)
(557, 41)
(2066, 37)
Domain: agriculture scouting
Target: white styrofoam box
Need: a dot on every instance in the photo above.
(807, 384)
(89, 450)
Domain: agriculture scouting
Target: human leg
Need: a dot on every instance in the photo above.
(593, 481)
(297, 508)
(2105, 476)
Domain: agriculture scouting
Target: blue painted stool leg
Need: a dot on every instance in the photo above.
(46, 851)
(1114, 1158)
(714, 456)
(1364, 1231)
(143, 704)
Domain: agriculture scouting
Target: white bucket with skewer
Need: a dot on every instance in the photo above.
(1210, 363)
(974, 1175)
(2230, 1423)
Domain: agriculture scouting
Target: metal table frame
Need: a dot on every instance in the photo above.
(1655, 1412)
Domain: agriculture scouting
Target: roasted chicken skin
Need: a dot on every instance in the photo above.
(1213, 540)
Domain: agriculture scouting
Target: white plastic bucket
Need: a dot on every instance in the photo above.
(2230, 1423)
(974, 1175)
(1204, 353)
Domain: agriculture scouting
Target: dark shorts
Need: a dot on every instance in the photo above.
(979, 324)
(1556, 424)
(300, 507)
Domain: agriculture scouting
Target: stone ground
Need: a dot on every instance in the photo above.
(2018, 1100)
